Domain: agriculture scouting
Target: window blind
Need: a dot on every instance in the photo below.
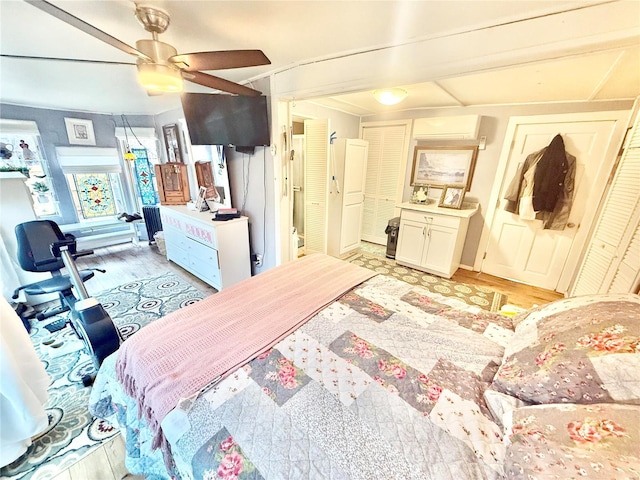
(88, 160)
(18, 127)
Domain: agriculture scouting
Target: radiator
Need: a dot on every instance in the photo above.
(152, 221)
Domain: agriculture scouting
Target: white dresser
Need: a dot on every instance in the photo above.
(431, 238)
(215, 252)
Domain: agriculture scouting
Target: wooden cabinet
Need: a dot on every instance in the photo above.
(431, 238)
(215, 252)
(173, 183)
(204, 177)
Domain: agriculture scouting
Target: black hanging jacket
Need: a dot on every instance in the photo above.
(548, 183)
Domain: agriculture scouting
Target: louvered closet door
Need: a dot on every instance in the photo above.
(612, 261)
(627, 275)
(316, 185)
(384, 161)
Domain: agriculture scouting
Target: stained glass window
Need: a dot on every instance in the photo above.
(144, 176)
(95, 194)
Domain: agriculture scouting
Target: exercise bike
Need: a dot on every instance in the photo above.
(88, 318)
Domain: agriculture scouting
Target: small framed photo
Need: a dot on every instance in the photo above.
(172, 143)
(440, 166)
(420, 195)
(201, 204)
(80, 131)
(452, 196)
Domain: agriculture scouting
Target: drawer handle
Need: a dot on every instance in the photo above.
(428, 219)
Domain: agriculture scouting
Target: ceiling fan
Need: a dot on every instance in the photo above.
(160, 68)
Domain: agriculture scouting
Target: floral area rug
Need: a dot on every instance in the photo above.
(478, 296)
(72, 432)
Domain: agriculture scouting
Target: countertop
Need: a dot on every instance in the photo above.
(467, 210)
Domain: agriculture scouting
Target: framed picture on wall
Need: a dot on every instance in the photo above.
(80, 131)
(172, 142)
(440, 166)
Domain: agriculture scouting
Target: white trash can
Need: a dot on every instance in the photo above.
(159, 238)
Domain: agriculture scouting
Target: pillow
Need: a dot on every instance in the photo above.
(572, 441)
(576, 350)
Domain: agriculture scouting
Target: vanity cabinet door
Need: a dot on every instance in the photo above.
(411, 242)
(439, 248)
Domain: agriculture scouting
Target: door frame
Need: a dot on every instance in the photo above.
(621, 117)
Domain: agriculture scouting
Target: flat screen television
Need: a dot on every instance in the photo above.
(214, 119)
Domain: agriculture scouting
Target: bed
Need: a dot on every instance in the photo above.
(386, 380)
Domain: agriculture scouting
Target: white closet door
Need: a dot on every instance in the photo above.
(386, 158)
(316, 185)
(627, 275)
(612, 259)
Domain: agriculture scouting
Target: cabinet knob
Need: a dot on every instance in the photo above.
(571, 225)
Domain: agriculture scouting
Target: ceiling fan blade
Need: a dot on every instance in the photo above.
(85, 27)
(220, 60)
(220, 84)
(60, 59)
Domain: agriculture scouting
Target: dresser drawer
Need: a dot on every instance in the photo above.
(200, 233)
(177, 254)
(175, 238)
(203, 261)
(209, 275)
(430, 218)
(203, 255)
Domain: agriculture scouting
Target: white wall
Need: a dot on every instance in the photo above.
(253, 185)
(344, 124)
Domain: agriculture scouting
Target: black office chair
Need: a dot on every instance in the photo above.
(34, 255)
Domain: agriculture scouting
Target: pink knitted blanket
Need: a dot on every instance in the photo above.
(181, 354)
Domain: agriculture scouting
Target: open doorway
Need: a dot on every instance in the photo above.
(297, 181)
(297, 154)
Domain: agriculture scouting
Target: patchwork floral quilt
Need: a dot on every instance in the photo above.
(385, 383)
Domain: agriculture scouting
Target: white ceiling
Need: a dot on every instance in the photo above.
(298, 33)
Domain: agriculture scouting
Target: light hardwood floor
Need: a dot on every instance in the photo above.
(129, 262)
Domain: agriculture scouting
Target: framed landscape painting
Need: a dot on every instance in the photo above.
(440, 166)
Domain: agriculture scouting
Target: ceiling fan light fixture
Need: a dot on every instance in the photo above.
(157, 77)
(390, 96)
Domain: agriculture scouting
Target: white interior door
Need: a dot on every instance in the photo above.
(522, 250)
(355, 172)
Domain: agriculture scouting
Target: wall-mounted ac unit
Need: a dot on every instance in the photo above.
(463, 127)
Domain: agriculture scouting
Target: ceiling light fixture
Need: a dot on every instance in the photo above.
(390, 96)
(157, 77)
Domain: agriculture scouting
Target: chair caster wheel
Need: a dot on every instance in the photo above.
(88, 380)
